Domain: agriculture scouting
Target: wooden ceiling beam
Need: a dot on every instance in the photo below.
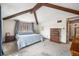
(61, 8)
(35, 15)
(55, 7)
(36, 7)
(17, 14)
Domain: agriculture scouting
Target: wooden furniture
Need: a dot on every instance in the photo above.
(55, 34)
(9, 38)
(75, 47)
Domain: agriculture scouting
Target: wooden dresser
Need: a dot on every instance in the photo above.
(55, 34)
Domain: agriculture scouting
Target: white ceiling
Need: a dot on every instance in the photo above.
(12, 8)
(69, 5)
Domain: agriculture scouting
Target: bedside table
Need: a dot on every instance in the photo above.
(9, 38)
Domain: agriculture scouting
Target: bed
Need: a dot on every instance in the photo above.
(25, 40)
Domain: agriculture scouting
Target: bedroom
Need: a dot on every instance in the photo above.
(39, 22)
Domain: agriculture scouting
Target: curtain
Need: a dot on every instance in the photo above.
(30, 27)
(16, 27)
(24, 27)
(1, 50)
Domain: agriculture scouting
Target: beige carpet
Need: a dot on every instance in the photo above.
(45, 48)
(9, 48)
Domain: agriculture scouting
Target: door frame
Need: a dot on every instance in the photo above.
(68, 27)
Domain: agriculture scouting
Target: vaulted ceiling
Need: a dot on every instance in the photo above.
(13, 8)
(39, 5)
(74, 6)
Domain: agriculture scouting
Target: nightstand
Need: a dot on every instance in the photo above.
(9, 38)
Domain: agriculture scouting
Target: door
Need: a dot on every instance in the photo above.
(55, 34)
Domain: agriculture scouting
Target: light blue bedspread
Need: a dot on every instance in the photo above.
(25, 40)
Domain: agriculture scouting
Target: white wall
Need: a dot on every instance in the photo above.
(48, 19)
(8, 26)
